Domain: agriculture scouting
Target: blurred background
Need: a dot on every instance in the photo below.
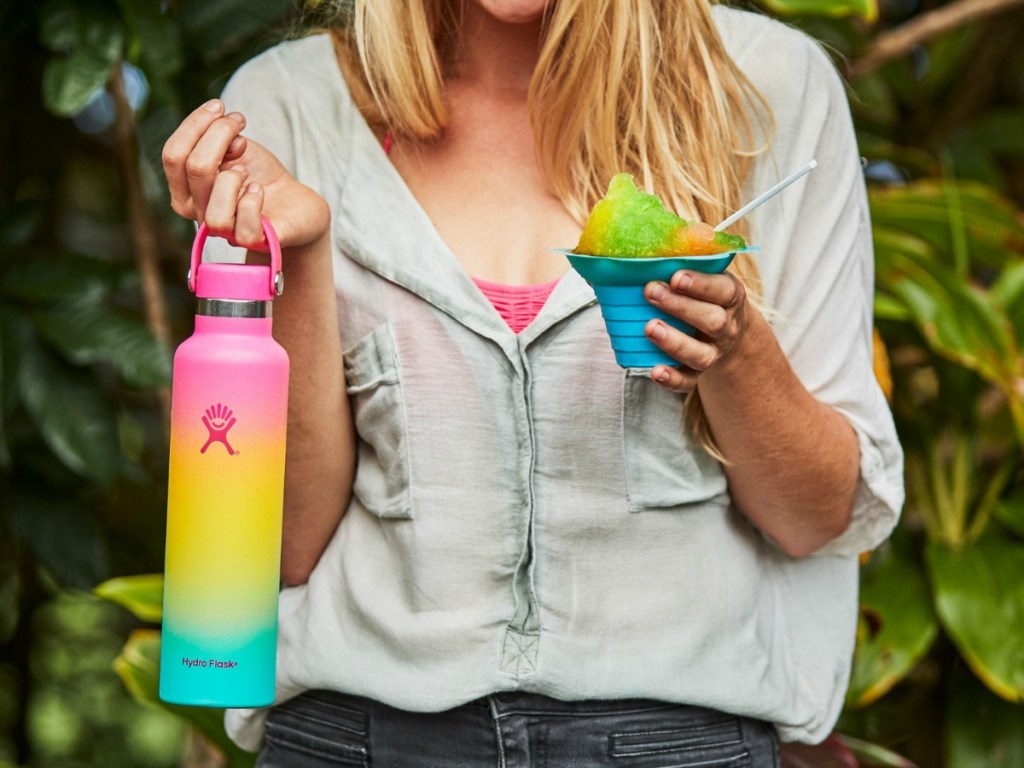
(93, 300)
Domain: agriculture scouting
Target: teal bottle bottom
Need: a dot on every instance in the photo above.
(221, 672)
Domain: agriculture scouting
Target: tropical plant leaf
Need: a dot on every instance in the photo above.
(70, 83)
(865, 9)
(73, 416)
(896, 628)
(979, 597)
(138, 666)
(64, 535)
(90, 42)
(142, 595)
(990, 222)
(959, 321)
(981, 730)
(88, 332)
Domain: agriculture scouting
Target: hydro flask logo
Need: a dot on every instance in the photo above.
(218, 420)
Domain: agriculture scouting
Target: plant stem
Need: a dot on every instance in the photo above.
(143, 238)
(900, 40)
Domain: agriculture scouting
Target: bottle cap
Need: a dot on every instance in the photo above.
(244, 282)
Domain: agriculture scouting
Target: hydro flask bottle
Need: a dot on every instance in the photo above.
(229, 405)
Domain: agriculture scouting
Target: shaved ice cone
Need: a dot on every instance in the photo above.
(631, 239)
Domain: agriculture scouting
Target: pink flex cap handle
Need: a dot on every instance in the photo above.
(276, 276)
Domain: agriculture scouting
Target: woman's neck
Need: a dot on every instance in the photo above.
(497, 55)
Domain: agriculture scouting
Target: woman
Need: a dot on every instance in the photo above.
(500, 548)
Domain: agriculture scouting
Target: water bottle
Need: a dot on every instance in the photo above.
(229, 404)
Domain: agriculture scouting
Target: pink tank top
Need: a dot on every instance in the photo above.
(517, 304)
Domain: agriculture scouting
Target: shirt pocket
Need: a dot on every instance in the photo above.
(664, 467)
(374, 387)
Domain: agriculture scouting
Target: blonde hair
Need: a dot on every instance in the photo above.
(642, 86)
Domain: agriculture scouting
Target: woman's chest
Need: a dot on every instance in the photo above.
(489, 202)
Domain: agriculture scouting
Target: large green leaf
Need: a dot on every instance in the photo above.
(979, 596)
(932, 209)
(138, 665)
(89, 41)
(70, 83)
(90, 332)
(960, 321)
(982, 731)
(74, 416)
(866, 9)
(142, 595)
(896, 628)
(64, 535)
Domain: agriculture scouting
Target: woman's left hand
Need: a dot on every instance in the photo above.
(715, 305)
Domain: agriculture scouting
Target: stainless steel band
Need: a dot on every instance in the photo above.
(234, 308)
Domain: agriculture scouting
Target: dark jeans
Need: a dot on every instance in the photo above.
(511, 730)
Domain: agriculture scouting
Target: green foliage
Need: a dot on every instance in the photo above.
(82, 432)
(897, 626)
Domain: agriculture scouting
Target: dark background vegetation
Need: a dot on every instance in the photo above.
(92, 300)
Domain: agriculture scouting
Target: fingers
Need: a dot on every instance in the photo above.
(248, 222)
(220, 210)
(694, 353)
(234, 212)
(675, 379)
(707, 302)
(725, 289)
(195, 152)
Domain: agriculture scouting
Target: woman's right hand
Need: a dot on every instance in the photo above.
(218, 176)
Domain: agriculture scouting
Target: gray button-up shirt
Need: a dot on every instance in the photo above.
(529, 516)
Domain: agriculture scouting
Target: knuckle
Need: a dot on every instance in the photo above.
(183, 209)
(705, 359)
(170, 156)
(718, 323)
(196, 168)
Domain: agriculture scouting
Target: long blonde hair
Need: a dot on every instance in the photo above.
(642, 86)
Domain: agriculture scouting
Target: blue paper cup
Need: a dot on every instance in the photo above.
(619, 286)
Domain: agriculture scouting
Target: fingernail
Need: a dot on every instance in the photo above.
(253, 188)
(685, 280)
(657, 292)
(661, 375)
(238, 117)
(658, 332)
(213, 105)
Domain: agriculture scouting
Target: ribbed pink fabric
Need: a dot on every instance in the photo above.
(517, 304)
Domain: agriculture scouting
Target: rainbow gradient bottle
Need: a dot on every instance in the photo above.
(229, 404)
